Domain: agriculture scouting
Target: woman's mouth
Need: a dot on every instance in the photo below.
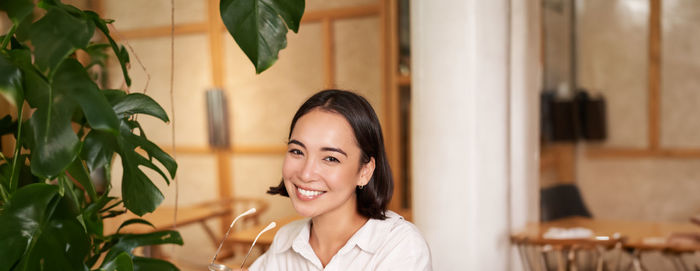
(308, 194)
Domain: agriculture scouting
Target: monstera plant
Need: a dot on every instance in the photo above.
(51, 213)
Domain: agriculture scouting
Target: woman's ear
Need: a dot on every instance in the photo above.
(366, 172)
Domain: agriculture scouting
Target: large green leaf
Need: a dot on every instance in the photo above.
(11, 81)
(72, 80)
(140, 195)
(137, 103)
(22, 219)
(98, 149)
(147, 264)
(127, 242)
(258, 26)
(63, 245)
(17, 9)
(154, 151)
(56, 35)
(53, 143)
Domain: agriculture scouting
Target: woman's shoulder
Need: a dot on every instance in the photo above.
(403, 245)
(398, 226)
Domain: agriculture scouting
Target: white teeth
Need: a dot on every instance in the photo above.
(309, 193)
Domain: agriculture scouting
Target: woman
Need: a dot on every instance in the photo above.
(335, 172)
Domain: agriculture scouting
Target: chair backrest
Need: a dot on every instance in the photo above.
(561, 201)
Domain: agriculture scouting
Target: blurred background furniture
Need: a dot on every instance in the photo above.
(608, 237)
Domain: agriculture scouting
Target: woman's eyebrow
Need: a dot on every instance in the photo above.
(334, 150)
(294, 141)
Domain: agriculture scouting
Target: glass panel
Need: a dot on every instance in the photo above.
(680, 67)
(358, 58)
(612, 50)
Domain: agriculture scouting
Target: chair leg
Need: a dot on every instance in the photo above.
(618, 260)
(600, 261)
(571, 260)
(523, 256)
(677, 261)
(542, 259)
(637, 260)
(561, 260)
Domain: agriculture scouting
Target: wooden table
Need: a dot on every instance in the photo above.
(635, 234)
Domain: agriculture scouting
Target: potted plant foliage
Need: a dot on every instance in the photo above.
(51, 214)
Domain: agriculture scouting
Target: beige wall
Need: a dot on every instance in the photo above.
(613, 61)
(260, 106)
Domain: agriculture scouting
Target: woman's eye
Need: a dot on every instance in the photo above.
(332, 159)
(295, 152)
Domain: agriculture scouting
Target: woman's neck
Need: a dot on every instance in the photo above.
(330, 231)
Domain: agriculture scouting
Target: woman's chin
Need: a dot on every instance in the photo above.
(304, 211)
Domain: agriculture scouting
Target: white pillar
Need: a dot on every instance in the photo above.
(465, 106)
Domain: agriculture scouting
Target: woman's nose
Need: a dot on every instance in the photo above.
(308, 170)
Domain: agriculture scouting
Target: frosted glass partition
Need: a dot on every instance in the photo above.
(358, 59)
(680, 74)
(612, 60)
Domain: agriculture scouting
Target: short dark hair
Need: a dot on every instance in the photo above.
(372, 200)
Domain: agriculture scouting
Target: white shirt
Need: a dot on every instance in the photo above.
(390, 244)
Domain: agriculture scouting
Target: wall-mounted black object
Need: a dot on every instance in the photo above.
(568, 120)
(591, 112)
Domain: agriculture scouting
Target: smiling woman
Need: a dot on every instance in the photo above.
(336, 174)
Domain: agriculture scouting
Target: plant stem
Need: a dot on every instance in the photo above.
(9, 35)
(3, 194)
(14, 176)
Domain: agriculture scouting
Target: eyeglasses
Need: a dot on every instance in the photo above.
(220, 267)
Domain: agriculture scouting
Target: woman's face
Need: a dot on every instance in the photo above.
(322, 165)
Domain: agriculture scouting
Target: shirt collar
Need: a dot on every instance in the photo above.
(368, 238)
(298, 235)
